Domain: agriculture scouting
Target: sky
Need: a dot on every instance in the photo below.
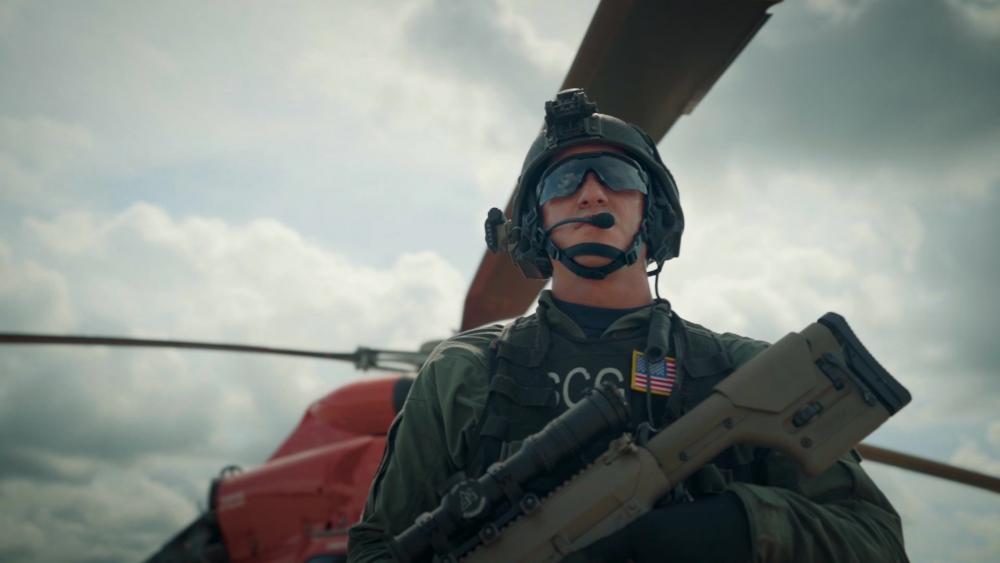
(316, 176)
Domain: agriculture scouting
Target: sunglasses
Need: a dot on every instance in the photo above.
(615, 171)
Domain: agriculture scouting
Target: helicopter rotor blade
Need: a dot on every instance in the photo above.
(930, 467)
(362, 358)
(648, 62)
(368, 358)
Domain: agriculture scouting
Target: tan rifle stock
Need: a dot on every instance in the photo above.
(781, 399)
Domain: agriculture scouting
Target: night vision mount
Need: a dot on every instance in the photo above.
(567, 117)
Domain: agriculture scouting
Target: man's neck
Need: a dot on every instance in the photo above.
(624, 289)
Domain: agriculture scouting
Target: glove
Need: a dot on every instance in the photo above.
(712, 528)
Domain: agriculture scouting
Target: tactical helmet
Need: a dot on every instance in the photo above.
(572, 119)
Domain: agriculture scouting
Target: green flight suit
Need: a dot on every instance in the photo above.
(838, 516)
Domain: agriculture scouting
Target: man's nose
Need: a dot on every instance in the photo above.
(592, 192)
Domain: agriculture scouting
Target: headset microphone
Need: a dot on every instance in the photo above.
(601, 221)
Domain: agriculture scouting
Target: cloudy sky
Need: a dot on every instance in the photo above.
(316, 176)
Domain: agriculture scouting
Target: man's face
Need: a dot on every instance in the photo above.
(593, 197)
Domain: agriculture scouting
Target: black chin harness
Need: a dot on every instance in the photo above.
(619, 258)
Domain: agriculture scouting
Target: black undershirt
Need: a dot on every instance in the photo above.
(593, 320)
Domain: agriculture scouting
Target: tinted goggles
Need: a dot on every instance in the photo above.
(615, 171)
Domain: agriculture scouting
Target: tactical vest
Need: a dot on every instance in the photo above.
(537, 373)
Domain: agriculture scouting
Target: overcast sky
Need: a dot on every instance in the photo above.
(316, 176)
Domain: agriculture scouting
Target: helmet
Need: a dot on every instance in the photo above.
(572, 119)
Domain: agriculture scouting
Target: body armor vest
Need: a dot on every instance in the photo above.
(537, 373)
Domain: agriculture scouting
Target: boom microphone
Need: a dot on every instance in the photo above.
(601, 221)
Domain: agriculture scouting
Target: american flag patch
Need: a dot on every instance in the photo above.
(660, 376)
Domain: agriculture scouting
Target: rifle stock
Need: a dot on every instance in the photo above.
(813, 395)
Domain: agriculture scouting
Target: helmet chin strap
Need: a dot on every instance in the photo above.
(619, 258)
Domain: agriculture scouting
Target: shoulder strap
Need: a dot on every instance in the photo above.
(525, 341)
(491, 428)
(522, 343)
(706, 354)
(701, 358)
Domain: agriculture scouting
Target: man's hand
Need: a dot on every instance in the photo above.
(712, 528)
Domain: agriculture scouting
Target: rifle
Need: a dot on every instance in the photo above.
(812, 395)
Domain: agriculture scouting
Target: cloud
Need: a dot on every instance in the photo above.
(983, 16)
(867, 95)
(838, 10)
(148, 262)
(297, 115)
(158, 424)
(972, 456)
(487, 44)
(43, 143)
(38, 154)
(459, 85)
(44, 466)
(119, 516)
(983, 527)
(8, 15)
(34, 295)
(825, 261)
(866, 188)
(768, 250)
(942, 522)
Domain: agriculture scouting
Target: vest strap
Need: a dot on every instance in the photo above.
(517, 351)
(678, 333)
(524, 396)
(709, 365)
(495, 427)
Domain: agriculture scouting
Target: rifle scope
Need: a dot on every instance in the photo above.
(471, 501)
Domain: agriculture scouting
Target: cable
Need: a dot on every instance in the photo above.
(656, 283)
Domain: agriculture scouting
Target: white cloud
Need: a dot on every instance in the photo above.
(787, 254)
(943, 522)
(323, 92)
(769, 251)
(118, 516)
(972, 456)
(132, 436)
(338, 107)
(975, 174)
(43, 142)
(447, 108)
(993, 434)
(40, 152)
(839, 10)
(554, 54)
(201, 276)
(34, 295)
(983, 16)
(984, 528)
(8, 15)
